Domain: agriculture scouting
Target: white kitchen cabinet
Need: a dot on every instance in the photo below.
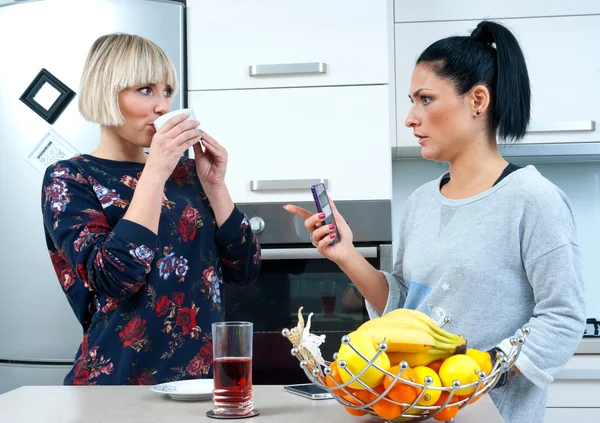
(563, 72)
(578, 384)
(336, 133)
(572, 415)
(444, 10)
(238, 44)
(573, 396)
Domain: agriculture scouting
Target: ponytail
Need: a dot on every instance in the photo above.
(491, 56)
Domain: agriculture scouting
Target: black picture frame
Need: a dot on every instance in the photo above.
(66, 95)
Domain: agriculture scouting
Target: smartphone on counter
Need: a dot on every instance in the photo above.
(308, 390)
(323, 206)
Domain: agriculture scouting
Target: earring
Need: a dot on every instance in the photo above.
(478, 112)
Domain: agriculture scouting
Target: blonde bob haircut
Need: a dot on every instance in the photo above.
(117, 62)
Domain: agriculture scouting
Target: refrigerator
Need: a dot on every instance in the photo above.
(43, 46)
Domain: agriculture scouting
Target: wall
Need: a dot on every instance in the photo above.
(579, 181)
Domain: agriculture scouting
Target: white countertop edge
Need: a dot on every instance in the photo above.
(589, 346)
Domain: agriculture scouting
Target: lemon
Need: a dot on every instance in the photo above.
(431, 395)
(460, 367)
(483, 359)
(355, 363)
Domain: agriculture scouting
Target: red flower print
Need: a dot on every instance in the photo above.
(196, 366)
(106, 196)
(83, 235)
(178, 298)
(207, 351)
(129, 181)
(180, 175)
(189, 213)
(186, 319)
(82, 377)
(111, 304)
(63, 173)
(82, 273)
(57, 195)
(97, 221)
(142, 379)
(143, 255)
(162, 305)
(187, 223)
(63, 270)
(133, 332)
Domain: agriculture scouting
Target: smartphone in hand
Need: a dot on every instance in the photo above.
(322, 202)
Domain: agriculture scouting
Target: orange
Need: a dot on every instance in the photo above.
(402, 392)
(435, 365)
(462, 397)
(385, 409)
(449, 412)
(335, 379)
(364, 396)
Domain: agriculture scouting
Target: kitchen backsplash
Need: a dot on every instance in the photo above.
(579, 181)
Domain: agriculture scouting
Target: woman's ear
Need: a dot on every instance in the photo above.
(479, 100)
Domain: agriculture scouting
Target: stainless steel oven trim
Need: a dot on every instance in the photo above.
(307, 253)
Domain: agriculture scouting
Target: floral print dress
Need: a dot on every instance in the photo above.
(145, 301)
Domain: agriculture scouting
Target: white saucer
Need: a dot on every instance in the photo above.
(187, 390)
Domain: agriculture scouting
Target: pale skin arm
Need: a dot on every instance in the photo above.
(211, 166)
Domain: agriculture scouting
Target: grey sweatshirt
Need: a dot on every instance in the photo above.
(493, 263)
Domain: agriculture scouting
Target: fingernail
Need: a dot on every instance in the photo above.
(331, 227)
(331, 236)
(322, 216)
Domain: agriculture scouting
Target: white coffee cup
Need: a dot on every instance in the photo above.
(158, 123)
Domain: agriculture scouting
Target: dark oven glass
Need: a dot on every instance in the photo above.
(272, 304)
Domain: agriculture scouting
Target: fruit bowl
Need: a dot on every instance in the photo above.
(375, 400)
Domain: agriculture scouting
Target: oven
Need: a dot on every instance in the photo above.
(294, 274)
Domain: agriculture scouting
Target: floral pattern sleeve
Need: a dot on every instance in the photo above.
(110, 261)
(239, 250)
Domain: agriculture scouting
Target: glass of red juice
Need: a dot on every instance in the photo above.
(232, 370)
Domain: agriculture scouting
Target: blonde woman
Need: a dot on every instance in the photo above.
(141, 242)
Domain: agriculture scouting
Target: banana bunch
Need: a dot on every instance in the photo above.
(412, 336)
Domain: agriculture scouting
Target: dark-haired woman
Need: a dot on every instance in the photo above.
(489, 244)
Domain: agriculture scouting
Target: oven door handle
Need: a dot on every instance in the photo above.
(307, 253)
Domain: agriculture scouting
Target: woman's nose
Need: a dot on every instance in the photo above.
(411, 119)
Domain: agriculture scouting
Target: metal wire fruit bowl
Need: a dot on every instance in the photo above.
(317, 374)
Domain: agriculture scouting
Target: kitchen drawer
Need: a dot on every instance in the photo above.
(341, 134)
(443, 10)
(562, 71)
(572, 415)
(578, 384)
(350, 38)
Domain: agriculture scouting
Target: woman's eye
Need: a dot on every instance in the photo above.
(144, 90)
(426, 100)
(169, 92)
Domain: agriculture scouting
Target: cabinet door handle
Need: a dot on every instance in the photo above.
(285, 184)
(584, 125)
(288, 68)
